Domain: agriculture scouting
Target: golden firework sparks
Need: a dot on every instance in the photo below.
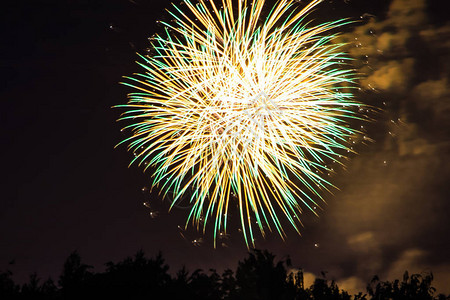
(239, 110)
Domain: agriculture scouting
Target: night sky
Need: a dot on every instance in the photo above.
(65, 187)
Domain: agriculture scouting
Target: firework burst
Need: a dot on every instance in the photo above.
(237, 108)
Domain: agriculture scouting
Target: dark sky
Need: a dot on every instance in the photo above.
(66, 188)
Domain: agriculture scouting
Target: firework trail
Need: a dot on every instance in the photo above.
(238, 111)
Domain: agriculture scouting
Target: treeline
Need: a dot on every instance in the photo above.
(258, 276)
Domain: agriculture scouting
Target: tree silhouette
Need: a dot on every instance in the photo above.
(8, 289)
(414, 287)
(133, 278)
(229, 285)
(320, 290)
(258, 276)
(74, 277)
(179, 287)
(203, 286)
(32, 289)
